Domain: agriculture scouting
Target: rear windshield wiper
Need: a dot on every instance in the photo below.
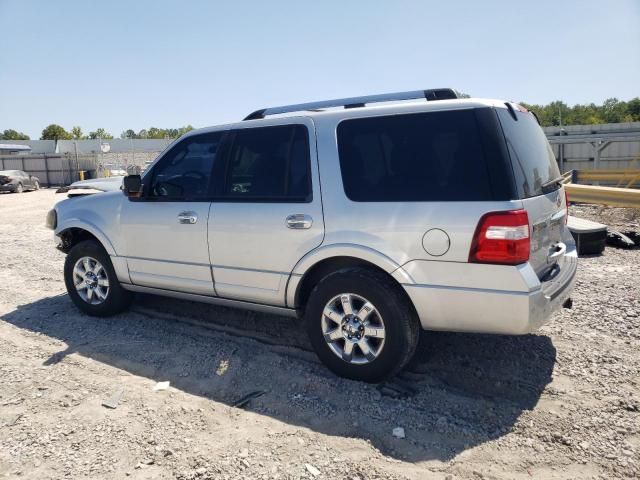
(551, 185)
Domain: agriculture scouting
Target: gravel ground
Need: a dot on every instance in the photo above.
(564, 403)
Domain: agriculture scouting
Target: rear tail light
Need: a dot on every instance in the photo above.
(5, 179)
(502, 238)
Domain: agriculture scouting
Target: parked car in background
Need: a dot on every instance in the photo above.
(366, 221)
(17, 181)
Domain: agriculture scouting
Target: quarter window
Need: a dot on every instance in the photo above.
(534, 163)
(434, 156)
(269, 164)
(185, 171)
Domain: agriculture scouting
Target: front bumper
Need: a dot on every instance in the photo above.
(495, 310)
(7, 188)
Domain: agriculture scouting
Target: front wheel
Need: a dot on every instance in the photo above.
(19, 188)
(361, 324)
(36, 185)
(91, 281)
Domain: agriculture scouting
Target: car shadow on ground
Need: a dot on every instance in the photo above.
(460, 390)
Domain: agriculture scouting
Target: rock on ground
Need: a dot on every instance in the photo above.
(563, 403)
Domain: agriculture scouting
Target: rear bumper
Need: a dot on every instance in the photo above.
(492, 310)
(7, 188)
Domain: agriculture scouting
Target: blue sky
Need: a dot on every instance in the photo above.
(135, 64)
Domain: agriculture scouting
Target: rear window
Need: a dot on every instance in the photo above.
(434, 156)
(533, 161)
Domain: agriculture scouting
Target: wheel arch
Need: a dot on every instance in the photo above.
(73, 232)
(321, 262)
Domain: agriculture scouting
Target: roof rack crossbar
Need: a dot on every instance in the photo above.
(355, 102)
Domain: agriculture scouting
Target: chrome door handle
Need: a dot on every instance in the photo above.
(299, 221)
(187, 218)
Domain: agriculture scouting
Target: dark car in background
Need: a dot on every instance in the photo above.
(17, 181)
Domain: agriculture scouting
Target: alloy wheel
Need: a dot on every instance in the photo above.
(353, 328)
(91, 280)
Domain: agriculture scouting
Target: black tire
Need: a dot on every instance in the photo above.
(117, 298)
(400, 322)
(19, 188)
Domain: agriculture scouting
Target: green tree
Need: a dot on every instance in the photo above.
(76, 133)
(154, 132)
(11, 134)
(633, 109)
(183, 130)
(614, 111)
(129, 134)
(611, 111)
(55, 132)
(100, 133)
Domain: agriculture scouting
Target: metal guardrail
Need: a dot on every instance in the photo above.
(623, 177)
(611, 196)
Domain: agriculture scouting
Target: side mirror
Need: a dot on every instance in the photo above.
(132, 186)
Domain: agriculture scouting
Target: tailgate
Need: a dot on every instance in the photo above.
(547, 214)
(536, 175)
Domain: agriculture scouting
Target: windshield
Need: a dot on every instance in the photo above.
(534, 163)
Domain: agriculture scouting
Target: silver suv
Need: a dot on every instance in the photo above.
(369, 218)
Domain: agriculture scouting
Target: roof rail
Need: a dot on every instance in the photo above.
(355, 102)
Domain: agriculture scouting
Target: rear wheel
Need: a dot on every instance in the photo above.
(361, 324)
(19, 188)
(91, 281)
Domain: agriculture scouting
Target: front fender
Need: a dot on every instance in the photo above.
(97, 214)
(89, 227)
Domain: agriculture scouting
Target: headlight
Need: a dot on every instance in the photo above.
(52, 219)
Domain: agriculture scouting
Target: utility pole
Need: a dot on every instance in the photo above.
(560, 114)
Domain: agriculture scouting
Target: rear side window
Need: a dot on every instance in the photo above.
(269, 164)
(533, 161)
(434, 156)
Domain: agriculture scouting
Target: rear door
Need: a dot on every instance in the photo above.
(268, 213)
(535, 169)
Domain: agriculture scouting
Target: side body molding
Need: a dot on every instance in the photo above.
(342, 250)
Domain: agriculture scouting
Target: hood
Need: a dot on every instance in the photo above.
(108, 184)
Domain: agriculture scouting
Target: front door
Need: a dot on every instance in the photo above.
(268, 214)
(165, 231)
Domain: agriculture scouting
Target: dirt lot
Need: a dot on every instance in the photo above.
(564, 403)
